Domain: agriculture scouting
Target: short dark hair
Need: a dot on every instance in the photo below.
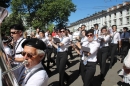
(104, 27)
(125, 28)
(95, 24)
(113, 26)
(90, 31)
(83, 25)
(17, 27)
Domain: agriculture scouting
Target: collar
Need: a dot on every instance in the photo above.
(34, 68)
(19, 39)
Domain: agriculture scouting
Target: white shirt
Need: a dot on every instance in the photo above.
(44, 40)
(46, 34)
(8, 50)
(40, 78)
(96, 32)
(106, 38)
(94, 45)
(84, 39)
(18, 48)
(71, 37)
(116, 37)
(65, 41)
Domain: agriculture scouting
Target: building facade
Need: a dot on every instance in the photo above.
(117, 15)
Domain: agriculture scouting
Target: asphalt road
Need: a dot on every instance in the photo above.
(111, 78)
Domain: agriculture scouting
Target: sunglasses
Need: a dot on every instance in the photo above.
(14, 32)
(28, 54)
(89, 35)
(62, 31)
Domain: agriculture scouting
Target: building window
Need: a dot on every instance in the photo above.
(115, 22)
(127, 11)
(120, 21)
(110, 17)
(120, 13)
(128, 20)
(114, 15)
(110, 23)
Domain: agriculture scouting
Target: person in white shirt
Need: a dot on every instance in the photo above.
(62, 55)
(115, 38)
(104, 38)
(33, 53)
(16, 31)
(88, 63)
(70, 44)
(96, 31)
(49, 51)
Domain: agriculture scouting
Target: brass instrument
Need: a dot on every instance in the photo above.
(7, 79)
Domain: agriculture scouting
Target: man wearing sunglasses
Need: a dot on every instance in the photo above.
(88, 62)
(16, 32)
(33, 52)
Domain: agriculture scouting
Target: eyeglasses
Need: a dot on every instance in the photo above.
(62, 31)
(28, 54)
(89, 35)
(14, 32)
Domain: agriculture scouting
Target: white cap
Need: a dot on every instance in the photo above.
(127, 60)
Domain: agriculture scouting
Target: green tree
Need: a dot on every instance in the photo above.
(42, 12)
(4, 3)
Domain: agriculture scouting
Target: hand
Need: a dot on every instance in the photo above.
(119, 46)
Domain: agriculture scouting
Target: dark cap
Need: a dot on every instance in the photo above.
(34, 42)
(17, 27)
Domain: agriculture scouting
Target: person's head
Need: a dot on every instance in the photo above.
(84, 33)
(5, 41)
(90, 35)
(33, 51)
(104, 30)
(95, 26)
(68, 31)
(114, 28)
(83, 27)
(37, 30)
(79, 29)
(16, 31)
(49, 37)
(125, 29)
(63, 32)
(41, 33)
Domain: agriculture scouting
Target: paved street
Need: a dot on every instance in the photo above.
(111, 77)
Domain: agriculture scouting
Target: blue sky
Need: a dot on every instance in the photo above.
(88, 7)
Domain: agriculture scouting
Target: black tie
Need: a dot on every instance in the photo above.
(124, 35)
(22, 78)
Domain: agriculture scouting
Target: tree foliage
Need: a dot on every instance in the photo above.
(39, 13)
(42, 12)
(4, 3)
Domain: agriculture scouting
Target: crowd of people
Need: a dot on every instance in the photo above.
(94, 46)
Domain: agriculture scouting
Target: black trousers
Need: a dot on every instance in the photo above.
(70, 51)
(113, 49)
(87, 72)
(124, 48)
(103, 54)
(49, 59)
(61, 64)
